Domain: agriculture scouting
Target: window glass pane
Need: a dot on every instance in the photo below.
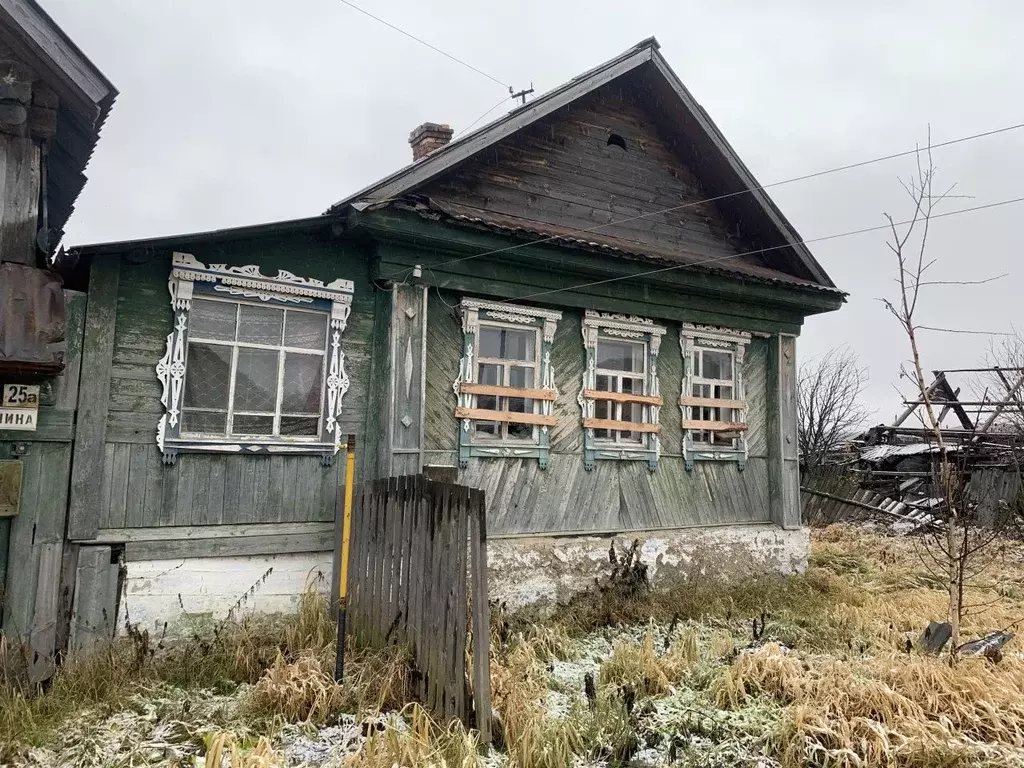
(717, 365)
(520, 377)
(725, 393)
(520, 431)
(486, 428)
(620, 355)
(604, 383)
(212, 320)
(207, 376)
(303, 380)
(601, 409)
(253, 425)
(256, 380)
(490, 341)
(305, 330)
(214, 422)
(695, 358)
(519, 345)
(488, 373)
(305, 426)
(260, 325)
(633, 412)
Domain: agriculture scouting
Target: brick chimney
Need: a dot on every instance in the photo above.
(427, 138)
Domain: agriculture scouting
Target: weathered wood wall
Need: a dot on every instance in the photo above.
(614, 496)
(128, 485)
(31, 598)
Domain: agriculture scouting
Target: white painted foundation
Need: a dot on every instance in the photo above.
(523, 571)
(199, 591)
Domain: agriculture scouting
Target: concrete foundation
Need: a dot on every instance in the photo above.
(542, 570)
(193, 592)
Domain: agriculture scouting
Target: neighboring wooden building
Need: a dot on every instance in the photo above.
(550, 308)
(53, 102)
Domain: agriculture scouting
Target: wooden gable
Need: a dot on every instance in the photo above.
(602, 161)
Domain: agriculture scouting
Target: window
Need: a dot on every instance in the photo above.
(622, 369)
(712, 400)
(505, 387)
(620, 398)
(713, 382)
(506, 357)
(253, 371)
(254, 362)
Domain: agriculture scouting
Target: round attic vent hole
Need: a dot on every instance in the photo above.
(614, 140)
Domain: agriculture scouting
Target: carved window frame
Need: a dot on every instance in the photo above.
(191, 278)
(631, 328)
(477, 312)
(692, 337)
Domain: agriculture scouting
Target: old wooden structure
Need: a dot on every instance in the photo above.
(588, 309)
(411, 577)
(53, 103)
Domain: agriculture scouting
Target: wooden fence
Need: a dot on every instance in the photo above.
(417, 546)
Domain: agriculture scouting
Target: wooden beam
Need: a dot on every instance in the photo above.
(480, 414)
(625, 426)
(490, 389)
(711, 402)
(714, 426)
(94, 394)
(622, 397)
(240, 546)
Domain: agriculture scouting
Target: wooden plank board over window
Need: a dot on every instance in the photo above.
(500, 391)
(510, 417)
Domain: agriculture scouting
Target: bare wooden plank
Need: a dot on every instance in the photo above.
(238, 546)
(108, 472)
(460, 624)
(481, 615)
(490, 389)
(406, 556)
(154, 488)
(482, 414)
(276, 491)
(714, 426)
(261, 510)
(200, 489)
(711, 402)
(95, 599)
(629, 426)
(117, 514)
(172, 532)
(622, 397)
(138, 457)
(214, 512)
(185, 471)
(97, 353)
(44, 618)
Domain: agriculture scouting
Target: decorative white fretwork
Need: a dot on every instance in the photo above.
(248, 282)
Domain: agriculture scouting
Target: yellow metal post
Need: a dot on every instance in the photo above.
(346, 535)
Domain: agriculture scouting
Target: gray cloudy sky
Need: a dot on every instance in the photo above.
(240, 111)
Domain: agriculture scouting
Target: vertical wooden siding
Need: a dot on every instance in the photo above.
(136, 489)
(522, 498)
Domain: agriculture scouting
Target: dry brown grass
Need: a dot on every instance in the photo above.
(299, 691)
(225, 751)
(648, 672)
(424, 743)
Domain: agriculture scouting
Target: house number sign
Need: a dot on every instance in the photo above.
(19, 408)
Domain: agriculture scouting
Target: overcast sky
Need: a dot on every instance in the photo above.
(236, 112)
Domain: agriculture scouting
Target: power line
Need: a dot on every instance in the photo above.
(805, 177)
(424, 42)
(485, 114)
(849, 233)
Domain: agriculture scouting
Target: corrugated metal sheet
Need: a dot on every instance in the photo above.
(881, 452)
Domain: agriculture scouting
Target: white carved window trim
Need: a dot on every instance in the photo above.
(476, 313)
(597, 325)
(700, 337)
(190, 278)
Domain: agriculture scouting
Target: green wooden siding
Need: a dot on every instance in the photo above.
(137, 490)
(522, 498)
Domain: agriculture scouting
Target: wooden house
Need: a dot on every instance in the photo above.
(53, 103)
(587, 308)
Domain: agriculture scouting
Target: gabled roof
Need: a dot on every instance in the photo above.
(645, 55)
(86, 97)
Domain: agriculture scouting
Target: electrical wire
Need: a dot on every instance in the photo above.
(457, 60)
(718, 259)
(805, 177)
(485, 114)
